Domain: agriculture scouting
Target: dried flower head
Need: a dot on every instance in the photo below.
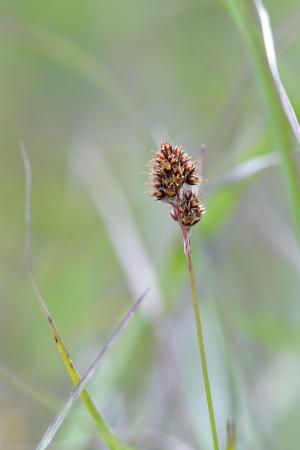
(189, 209)
(172, 168)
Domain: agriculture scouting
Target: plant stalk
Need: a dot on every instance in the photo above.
(187, 248)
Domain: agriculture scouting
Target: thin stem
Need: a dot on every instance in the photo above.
(187, 247)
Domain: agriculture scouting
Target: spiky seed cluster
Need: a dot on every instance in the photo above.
(172, 168)
(190, 209)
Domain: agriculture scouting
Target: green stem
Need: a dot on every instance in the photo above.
(187, 247)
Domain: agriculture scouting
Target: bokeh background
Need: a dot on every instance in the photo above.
(91, 88)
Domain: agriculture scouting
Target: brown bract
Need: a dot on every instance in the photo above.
(172, 168)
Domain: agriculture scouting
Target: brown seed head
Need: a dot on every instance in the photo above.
(172, 167)
(189, 209)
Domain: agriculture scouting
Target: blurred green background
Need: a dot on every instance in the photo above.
(91, 88)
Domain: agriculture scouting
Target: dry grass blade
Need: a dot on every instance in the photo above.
(58, 421)
(271, 56)
(28, 219)
(104, 429)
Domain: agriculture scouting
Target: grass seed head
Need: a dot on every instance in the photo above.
(171, 169)
(190, 209)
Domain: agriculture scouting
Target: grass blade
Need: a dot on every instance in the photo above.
(105, 431)
(279, 126)
(58, 421)
(271, 56)
(243, 171)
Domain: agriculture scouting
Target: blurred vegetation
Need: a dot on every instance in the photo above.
(118, 77)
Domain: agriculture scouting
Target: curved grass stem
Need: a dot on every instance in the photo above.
(104, 429)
